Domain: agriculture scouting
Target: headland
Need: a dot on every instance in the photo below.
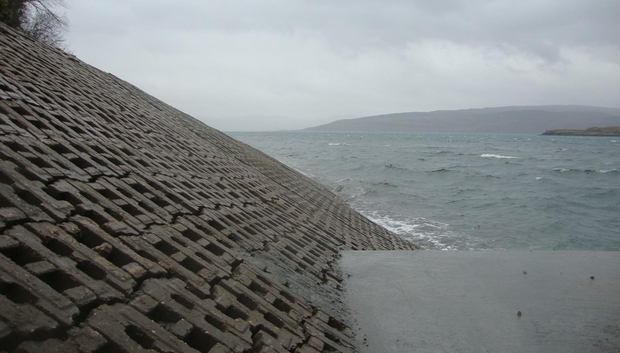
(593, 131)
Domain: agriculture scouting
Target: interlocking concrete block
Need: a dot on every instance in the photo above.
(87, 260)
(80, 340)
(125, 327)
(9, 198)
(264, 342)
(20, 287)
(180, 309)
(87, 232)
(22, 319)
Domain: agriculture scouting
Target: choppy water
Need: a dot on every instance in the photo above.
(467, 191)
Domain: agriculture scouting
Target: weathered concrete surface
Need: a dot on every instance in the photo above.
(469, 301)
(128, 226)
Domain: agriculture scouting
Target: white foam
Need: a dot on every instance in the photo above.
(538, 178)
(338, 144)
(417, 230)
(486, 155)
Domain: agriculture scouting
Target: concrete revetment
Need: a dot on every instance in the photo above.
(129, 226)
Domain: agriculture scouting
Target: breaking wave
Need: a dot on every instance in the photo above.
(486, 155)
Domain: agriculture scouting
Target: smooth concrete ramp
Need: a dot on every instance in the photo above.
(485, 301)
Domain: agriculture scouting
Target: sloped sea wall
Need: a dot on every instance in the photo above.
(129, 226)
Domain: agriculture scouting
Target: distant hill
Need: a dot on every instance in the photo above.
(515, 120)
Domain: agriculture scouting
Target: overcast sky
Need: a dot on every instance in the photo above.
(256, 65)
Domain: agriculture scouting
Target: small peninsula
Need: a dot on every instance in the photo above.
(593, 131)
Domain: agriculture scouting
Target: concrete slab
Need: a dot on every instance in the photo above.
(469, 301)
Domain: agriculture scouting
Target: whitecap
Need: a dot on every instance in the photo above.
(343, 180)
(538, 178)
(614, 141)
(338, 144)
(486, 155)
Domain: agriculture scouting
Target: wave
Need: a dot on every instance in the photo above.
(587, 171)
(393, 166)
(605, 171)
(464, 191)
(339, 144)
(382, 183)
(350, 192)
(486, 155)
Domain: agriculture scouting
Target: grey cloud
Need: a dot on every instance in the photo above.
(540, 27)
(567, 22)
(312, 59)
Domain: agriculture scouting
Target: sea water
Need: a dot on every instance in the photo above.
(467, 191)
